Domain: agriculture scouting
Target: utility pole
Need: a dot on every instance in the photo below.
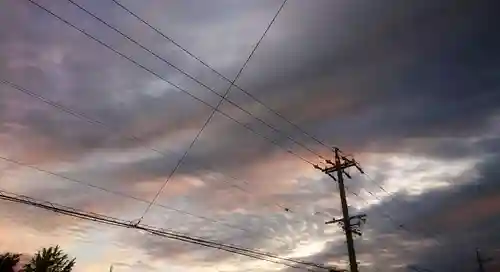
(338, 167)
(480, 261)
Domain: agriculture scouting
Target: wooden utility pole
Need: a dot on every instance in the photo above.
(338, 167)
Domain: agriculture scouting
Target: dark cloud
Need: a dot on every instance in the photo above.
(383, 110)
(415, 78)
(413, 70)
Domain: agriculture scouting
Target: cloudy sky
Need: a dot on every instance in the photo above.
(410, 88)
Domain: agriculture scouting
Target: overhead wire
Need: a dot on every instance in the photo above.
(225, 78)
(390, 218)
(185, 50)
(93, 121)
(397, 224)
(235, 85)
(143, 67)
(169, 82)
(368, 203)
(275, 143)
(195, 139)
(249, 94)
(381, 187)
(97, 122)
(90, 120)
(216, 108)
(252, 253)
(83, 215)
(223, 97)
(393, 221)
(425, 232)
(128, 196)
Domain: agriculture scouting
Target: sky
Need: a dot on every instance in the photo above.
(409, 88)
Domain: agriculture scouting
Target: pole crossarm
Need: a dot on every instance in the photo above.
(354, 227)
(334, 168)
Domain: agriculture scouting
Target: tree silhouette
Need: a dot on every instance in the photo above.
(51, 259)
(8, 262)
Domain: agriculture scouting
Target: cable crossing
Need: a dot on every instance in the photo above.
(212, 113)
(192, 55)
(128, 196)
(162, 78)
(99, 218)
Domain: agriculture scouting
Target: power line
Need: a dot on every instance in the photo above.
(168, 82)
(232, 82)
(256, 254)
(212, 113)
(124, 195)
(381, 187)
(118, 3)
(390, 218)
(161, 78)
(82, 215)
(85, 118)
(215, 109)
(151, 72)
(224, 96)
(401, 226)
(425, 232)
(396, 224)
(170, 39)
